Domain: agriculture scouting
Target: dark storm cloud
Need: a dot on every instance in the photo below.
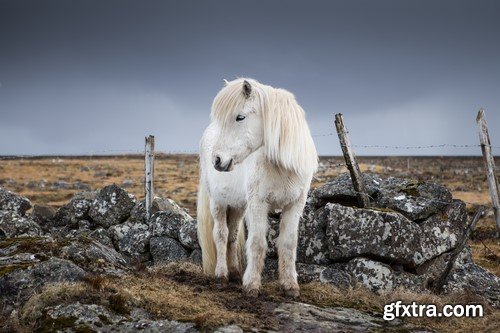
(87, 76)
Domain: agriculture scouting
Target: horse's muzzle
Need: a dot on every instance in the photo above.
(223, 167)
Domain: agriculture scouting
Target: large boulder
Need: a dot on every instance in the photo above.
(111, 206)
(389, 236)
(13, 202)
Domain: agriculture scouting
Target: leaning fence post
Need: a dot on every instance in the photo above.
(149, 173)
(490, 165)
(352, 164)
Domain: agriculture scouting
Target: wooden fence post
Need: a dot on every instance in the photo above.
(352, 164)
(149, 173)
(484, 138)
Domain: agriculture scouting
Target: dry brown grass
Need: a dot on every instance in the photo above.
(176, 176)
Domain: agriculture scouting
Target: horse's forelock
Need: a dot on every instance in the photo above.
(231, 98)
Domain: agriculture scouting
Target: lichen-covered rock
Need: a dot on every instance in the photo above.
(368, 232)
(17, 259)
(413, 199)
(312, 245)
(43, 216)
(196, 256)
(441, 232)
(300, 317)
(77, 209)
(138, 213)
(309, 272)
(477, 280)
(340, 190)
(94, 257)
(229, 329)
(188, 235)
(102, 236)
(372, 274)
(13, 225)
(379, 277)
(159, 204)
(337, 277)
(20, 284)
(111, 206)
(13, 202)
(133, 241)
(169, 222)
(305, 272)
(272, 236)
(118, 231)
(165, 249)
(79, 317)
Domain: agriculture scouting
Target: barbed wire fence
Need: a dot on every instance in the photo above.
(325, 164)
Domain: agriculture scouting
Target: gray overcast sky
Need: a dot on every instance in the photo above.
(92, 76)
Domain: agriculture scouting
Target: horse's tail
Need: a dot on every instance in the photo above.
(205, 231)
(205, 234)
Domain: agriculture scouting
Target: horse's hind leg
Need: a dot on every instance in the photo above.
(287, 247)
(234, 224)
(220, 234)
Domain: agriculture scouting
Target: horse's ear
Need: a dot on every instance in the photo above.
(226, 82)
(247, 88)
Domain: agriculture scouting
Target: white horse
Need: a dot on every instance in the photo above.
(256, 155)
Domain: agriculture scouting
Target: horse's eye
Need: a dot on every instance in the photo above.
(240, 117)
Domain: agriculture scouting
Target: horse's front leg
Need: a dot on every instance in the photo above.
(287, 247)
(220, 234)
(256, 246)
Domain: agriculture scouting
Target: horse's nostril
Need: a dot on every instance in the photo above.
(217, 161)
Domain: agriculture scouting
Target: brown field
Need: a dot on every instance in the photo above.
(54, 180)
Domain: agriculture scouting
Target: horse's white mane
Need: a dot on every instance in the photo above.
(287, 139)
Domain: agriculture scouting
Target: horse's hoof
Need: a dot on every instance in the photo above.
(292, 293)
(221, 280)
(235, 277)
(253, 293)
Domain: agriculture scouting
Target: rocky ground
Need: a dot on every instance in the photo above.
(98, 264)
